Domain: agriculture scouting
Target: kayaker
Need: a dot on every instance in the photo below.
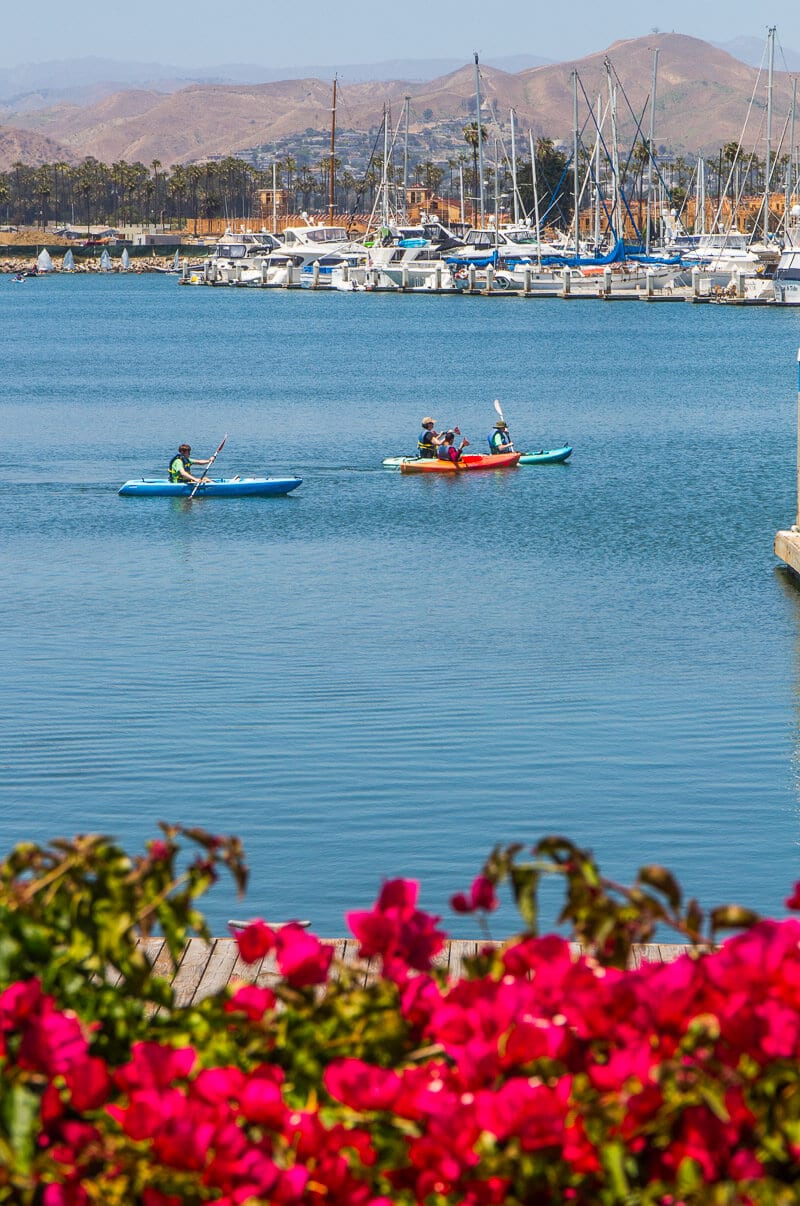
(447, 450)
(180, 467)
(430, 439)
(500, 439)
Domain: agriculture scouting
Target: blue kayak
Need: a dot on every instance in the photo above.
(546, 456)
(245, 487)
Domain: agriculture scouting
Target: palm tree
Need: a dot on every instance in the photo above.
(290, 164)
(155, 165)
(194, 174)
(43, 188)
(177, 187)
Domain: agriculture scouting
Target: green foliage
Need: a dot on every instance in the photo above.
(72, 914)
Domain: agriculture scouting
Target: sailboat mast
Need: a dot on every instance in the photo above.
(597, 177)
(617, 221)
(514, 169)
(700, 215)
(651, 149)
(385, 182)
(768, 160)
(332, 177)
(405, 165)
(535, 202)
(575, 181)
(790, 163)
(480, 141)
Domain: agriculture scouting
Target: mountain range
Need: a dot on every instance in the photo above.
(702, 99)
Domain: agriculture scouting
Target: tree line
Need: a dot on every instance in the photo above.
(125, 194)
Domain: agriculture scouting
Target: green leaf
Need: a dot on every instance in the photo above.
(733, 917)
(524, 884)
(663, 881)
(20, 1113)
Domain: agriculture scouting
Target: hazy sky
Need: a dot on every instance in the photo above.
(199, 33)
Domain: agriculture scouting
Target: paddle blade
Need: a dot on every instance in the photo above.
(499, 409)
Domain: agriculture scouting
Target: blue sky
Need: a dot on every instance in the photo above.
(243, 31)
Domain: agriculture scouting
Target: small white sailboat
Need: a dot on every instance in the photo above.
(126, 260)
(105, 261)
(68, 262)
(44, 262)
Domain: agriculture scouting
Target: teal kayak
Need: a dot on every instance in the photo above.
(245, 487)
(546, 456)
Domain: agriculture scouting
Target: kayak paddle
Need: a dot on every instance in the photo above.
(208, 466)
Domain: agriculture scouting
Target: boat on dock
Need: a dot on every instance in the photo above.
(245, 487)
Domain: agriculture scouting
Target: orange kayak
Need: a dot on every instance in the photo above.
(433, 465)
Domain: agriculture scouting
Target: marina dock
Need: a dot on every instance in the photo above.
(787, 541)
(206, 968)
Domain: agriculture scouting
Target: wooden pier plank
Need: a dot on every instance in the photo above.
(218, 970)
(190, 970)
(207, 968)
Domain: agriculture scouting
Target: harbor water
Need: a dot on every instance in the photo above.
(383, 675)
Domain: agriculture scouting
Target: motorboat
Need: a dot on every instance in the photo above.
(305, 244)
(239, 258)
(412, 256)
(786, 283)
(720, 257)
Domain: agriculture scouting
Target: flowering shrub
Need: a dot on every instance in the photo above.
(546, 1073)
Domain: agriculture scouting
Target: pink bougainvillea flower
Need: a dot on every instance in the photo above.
(403, 936)
(88, 1082)
(65, 1195)
(261, 1100)
(155, 1197)
(18, 1002)
(302, 958)
(52, 1042)
(481, 896)
(362, 1086)
(155, 1066)
(793, 901)
(215, 1085)
(255, 941)
(159, 851)
(251, 1000)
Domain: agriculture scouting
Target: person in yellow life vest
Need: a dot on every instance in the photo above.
(180, 467)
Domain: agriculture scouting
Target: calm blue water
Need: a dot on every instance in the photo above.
(384, 675)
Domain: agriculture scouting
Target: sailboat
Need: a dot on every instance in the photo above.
(68, 262)
(126, 260)
(44, 262)
(105, 261)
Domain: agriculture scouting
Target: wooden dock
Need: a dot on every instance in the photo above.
(206, 968)
(787, 548)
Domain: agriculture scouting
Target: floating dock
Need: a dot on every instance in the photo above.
(787, 541)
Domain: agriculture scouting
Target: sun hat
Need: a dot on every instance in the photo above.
(427, 420)
(501, 423)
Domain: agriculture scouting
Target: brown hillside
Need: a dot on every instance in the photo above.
(22, 146)
(703, 97)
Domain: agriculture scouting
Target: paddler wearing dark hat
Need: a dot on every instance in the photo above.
(500, 438)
